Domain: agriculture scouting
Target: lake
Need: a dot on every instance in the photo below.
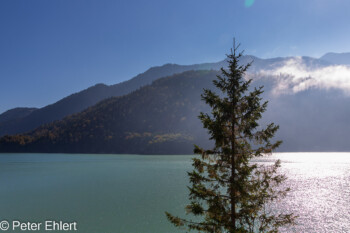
(130, 193)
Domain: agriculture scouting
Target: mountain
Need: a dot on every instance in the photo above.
(15, 114)
(156, 119)
(314, 120)
(161, 118)
(337, 58)
(79, 101)
(89, 97)
(71, 104)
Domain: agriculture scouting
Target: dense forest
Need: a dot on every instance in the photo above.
(158, 118)
(20, 120)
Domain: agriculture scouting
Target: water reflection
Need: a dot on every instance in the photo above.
(129, 193)
(320, 195)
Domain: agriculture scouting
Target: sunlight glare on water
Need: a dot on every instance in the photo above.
(320, 184)
(130, 193)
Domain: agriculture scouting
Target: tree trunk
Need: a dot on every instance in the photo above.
(233, 191)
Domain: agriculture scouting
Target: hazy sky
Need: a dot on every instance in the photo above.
(52, 48)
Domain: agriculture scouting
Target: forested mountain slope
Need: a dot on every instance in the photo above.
(161, 118)
(15, 113)
(79, 101)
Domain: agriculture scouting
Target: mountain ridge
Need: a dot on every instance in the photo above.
(337, 58)
(79, 101)
(161, 118)
(16, 113)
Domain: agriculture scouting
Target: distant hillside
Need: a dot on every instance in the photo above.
(79, 101)
(337, 58)
(15, 114)
(157, 119)
(162, 119)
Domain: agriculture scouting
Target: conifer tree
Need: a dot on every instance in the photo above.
(229, 192)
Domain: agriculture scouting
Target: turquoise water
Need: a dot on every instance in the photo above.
(129, 193)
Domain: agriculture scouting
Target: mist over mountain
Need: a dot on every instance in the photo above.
(161, 118)
(150, 114)
(79, 101)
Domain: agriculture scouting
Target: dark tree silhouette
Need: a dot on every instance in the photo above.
(229, 192)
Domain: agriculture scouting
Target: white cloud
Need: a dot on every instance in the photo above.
(294, 76)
